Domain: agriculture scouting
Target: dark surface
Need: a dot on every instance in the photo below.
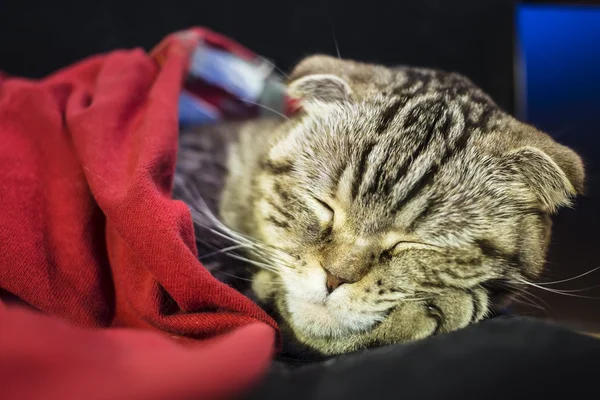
(469, 36)
(503, 358)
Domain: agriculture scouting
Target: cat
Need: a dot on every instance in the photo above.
(400, 203)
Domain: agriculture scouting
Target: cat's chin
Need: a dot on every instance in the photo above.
(328, 319)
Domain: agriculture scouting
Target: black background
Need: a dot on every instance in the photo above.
(469, 36)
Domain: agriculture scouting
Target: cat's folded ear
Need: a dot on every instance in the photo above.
(553, 171)
(318, 81)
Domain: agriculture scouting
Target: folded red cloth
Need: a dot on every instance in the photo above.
(43, 358)
(89, 233)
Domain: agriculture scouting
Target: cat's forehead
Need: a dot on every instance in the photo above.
(418, 170)
(400, 152)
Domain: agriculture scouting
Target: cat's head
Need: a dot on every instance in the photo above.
(404, 198)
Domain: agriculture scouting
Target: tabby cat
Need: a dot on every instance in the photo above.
(400, 203)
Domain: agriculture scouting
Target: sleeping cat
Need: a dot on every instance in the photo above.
(400, 203)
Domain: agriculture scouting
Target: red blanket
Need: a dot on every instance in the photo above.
(89, 234)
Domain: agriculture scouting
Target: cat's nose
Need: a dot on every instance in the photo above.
(333, 282)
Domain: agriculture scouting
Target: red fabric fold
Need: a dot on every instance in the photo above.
(43, 358)
(89, 232)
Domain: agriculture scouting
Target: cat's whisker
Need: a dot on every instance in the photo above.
(532, 298)
(270, 267)
(253, 262)
(216, 232)
(234, 276)
(273, 282)
(517, 293)
(222, 232)
(524, 300)
(206, 243)
(569, 279)
(335, 42)
(225, 235)
(223, 250)
(201, 208)
(568, 293)
(521, 295)
(282, 72)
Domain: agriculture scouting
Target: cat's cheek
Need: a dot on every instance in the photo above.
(272, 228)
(264, 285)
(307, 285)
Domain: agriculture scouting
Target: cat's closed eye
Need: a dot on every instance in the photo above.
(325, 215)
(324, 212)
(403, 245)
